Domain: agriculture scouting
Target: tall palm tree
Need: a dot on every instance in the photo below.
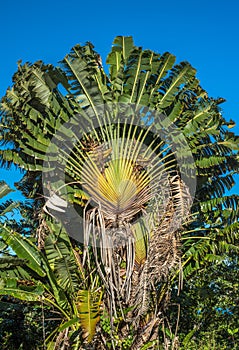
(118, 158)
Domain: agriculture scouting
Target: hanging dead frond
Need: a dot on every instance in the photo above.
(62, 340)
(41, 232)
(147, 333)
(157, 251)
(181, 198)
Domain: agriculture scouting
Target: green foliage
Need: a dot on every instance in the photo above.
(50, 278)
(19, 327)
(209, 312)
(57, 284)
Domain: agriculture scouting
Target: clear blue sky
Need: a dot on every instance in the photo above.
(205, 33)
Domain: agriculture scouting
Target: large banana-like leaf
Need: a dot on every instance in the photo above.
(20, 289)
(59, 254)
(118, 57)
(85, 74)
(141, 235)
(13, 267)
(21, 294)
(179, 75)
(88, 304)
(24, 249)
